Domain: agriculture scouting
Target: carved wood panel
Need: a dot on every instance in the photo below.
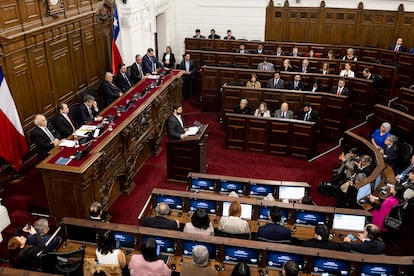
(10, 14)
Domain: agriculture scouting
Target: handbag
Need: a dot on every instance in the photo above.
(394, 220)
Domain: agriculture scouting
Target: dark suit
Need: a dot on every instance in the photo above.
(302, 70)
(401, 49)
(214, 36)
(289, 114)
(188, 79)
(245, 51)
(300, 85)
(110, 92)
(391, 155)
(62, 125)
(262, 53)
(42, 140)
(124, 83)
(201, 36)
(345, 91)
(135, 75)
(172, 61)
(366, 247)
(274, 231)
(160, 223)
(84, 115)
(365, 170)
(231, 38)
(238, 110)
(315, 243)
(376, 80)
(175, 129)
(313, 117)
(279, 85)
(147, 64)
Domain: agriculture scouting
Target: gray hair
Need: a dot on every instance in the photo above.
(162, 209)
(200, 255)
(359, 177)
(387, 126)
(244, 101)
(88, 98)
(41, 226)
(393, 138)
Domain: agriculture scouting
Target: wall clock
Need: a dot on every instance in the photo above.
(54, 7)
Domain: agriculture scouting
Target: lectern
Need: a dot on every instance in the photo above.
(187, 155)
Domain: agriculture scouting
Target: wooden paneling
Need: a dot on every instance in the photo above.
(10, 14)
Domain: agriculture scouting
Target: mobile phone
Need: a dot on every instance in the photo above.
(352, 237)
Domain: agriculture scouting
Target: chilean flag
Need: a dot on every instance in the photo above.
(12, 141)
(116, 44)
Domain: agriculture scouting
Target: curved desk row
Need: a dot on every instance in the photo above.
(262, 255)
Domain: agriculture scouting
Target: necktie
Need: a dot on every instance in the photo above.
(396, 48)
(90, 111)
(339, 91)
(283, 114)
(140, 71)
(276, 82)
(49, 134)
(127, 80)
(69, 120)
(306, 117)
(265, 67)
(296, 85)
(304, 69)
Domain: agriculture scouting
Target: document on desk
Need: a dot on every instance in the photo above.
(192, 130)
(84, 130)
(67, 143)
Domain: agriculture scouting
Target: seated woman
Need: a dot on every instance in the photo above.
(200, 224)
(347, 72)
(262, 111)
(316, 87)
(21, 254)
(380, 134)
(253, 82)
(383, 208)
(325, 70)
(233, 224)
(350, 55)
(106, 252)
(148, 263)
(331, 54)
(287, 67)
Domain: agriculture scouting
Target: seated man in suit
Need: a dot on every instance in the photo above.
(390, 151)
(266, 65)
(284, 112)
(398, 46)
(370, 243)
(276, 82)
(321, 239)
(198, 34)
(296, 84)
(242, 108)
(403, 175)
(44, 136)
(88, 111)
(110, 91)
(213, 34)
(62, 122)
(150, 63)
(122, 80)
(176, 130)
(274, 231)
(279, 51)
(365, 165)
(229, 36)
(340, 89)
(42, 227)
(305, 67)
(137, 72)
(308, 114)
(295, 52)
(260, 49)
(242, 49)
(377, 79)
(160, 220)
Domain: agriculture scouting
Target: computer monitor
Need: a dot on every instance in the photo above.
(348, 222)
(260, 189)
(124, 240)
(174, 202)
(209, 205)
(188, 248)
(264, 214)
(328, 266)
(233, 254)
(164, 245)
(370, 269)
(246, 210)
(227, 187)
(278, 259)
(203, 184)
(377, 182)
(364, 191)
(291, 192)
(81, 234)
(309, 217)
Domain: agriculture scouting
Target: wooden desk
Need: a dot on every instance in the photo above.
(213, 79)
(271, 135)
(333, 109)
(115, 157)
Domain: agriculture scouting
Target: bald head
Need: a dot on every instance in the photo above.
(40, 120)
(162, 209)
(284, 107)
(108, 76)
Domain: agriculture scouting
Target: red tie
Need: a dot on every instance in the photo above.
(339, 91)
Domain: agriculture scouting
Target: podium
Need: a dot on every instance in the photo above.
(187, 155)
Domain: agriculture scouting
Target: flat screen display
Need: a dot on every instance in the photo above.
(231, 186)
(202, 184)
(174, 202)
(290, 192)
(164, 245)
(348, 222)
(330, 266)
(377, 181)
(308, 217)
(82, 234)
(188, 248)
(209, 205)
(234, 254)
(246, 210)
(124, 240)
(369, 269)
(264, 214)
(260, 190)
(278, 259)
(364, 191)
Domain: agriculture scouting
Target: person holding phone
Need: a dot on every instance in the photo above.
(370, 241)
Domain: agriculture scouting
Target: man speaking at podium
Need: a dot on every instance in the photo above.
(176, 130)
